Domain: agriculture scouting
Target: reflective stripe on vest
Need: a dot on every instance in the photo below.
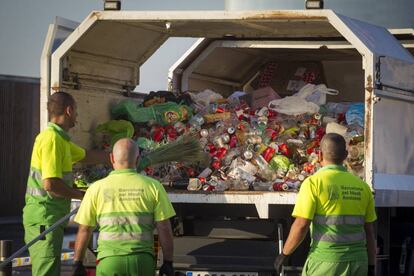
(35, 191)
(37, 175)
(125, 236)
(316, 236)
(125, 220)
(339, 220)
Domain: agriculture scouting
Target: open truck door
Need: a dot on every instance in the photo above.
(58, 31)
(393, 131)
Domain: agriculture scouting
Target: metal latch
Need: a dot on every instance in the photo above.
(403, 258)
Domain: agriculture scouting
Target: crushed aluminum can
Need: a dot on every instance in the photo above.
(291, 185)
(231, 130)
(225, 138)
(194, 184)
(264, 111)
(203, 142)
(247, 154)
(254, 140)
(208, 188)
(218, 142)
(204, 133)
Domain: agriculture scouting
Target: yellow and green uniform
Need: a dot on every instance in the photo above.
(52, 157)
(339, 204)
(125, 205)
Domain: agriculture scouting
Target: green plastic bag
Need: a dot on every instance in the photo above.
(163, 113)
(280, 162)
(116, 129)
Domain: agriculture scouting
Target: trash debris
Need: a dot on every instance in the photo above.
(268, 148)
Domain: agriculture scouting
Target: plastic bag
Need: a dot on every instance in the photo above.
(206, 97)
(293, 105)
(355, 114)
(163, 114)
(315, 93)
(116, 129)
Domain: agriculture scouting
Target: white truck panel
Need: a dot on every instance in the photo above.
(96, 62)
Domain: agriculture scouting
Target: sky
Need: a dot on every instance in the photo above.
(24, 24)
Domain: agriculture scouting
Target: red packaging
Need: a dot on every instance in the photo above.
(320, 132)
(284, 149)
(308, 167)
(216, 164)
(149, 171)
(190, 172)
(233, 141)
(171, 132)
(268, 153)
(221, 152)
(157, 133)
(277, 186)
(211, 149)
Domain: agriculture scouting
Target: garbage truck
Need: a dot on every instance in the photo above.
(241, 232)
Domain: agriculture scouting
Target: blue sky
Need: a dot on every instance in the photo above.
(24, 24)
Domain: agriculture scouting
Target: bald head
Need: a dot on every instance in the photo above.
(125, 154)
(333, 147)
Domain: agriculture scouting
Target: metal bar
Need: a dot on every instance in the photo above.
(280, 236)
(42, 235)
(5, 251)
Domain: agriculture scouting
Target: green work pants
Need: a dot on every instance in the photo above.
(45, 254)
(321, 268)
(129, 265)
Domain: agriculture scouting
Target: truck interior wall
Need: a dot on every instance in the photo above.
(93, 107)
(338, 69)
(347, 77)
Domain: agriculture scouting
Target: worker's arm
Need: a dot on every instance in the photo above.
(57, 188)
(371, 243)
(93, 157)
(297, 234)
(82, 241)
(165, 236)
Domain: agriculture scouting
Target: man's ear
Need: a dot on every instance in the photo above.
(111, 157)
(320, 156)
(69, 110)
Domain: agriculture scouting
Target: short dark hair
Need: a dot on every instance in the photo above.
(58, 102)
(333, 147)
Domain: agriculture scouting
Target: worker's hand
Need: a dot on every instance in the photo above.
(166, 269)
(371, 270)
(280, 260)
(78, 269)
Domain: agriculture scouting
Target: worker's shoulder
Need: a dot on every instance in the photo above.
(148, 179)
(48, 135)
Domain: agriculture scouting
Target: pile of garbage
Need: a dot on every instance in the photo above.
(270, 148)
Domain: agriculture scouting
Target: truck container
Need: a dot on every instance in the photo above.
(98, 63)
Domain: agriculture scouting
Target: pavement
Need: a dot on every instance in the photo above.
(11, 228)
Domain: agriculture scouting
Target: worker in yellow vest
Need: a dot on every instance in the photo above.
(340, 209)
(127, 207)
(49, 186)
